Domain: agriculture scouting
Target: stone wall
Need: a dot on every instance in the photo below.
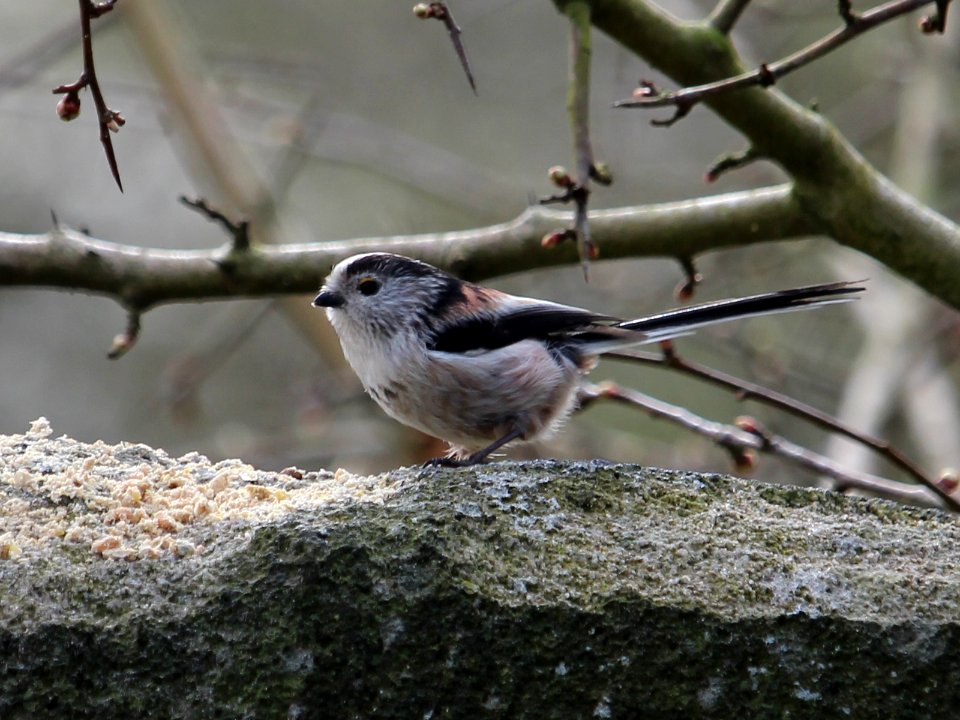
(136, 585)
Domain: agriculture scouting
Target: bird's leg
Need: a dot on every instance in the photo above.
(479, 456)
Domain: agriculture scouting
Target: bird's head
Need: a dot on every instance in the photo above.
(380, 294)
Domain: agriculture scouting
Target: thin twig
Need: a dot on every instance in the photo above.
(238, 231)
(741, 444)
(726, 436)
(746, 390)
(767, 74)
(576, 189)
(69, 107)
(692, 278)
(441, 11)
(578, 109)
(732, 161)
(843, 478)
(726, 14)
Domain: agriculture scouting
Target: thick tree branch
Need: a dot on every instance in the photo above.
(843, 196)
(140, 278)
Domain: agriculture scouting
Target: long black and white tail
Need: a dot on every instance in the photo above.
(683, 321)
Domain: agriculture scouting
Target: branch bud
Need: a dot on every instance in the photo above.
(601, 173)
(745, 460)
(930, 24)
(686, 288)
(114, 121)
(949, 480)
(422, 11)
(555, 237)
(69, 107)
(747, 424)
(645, 89)
(559, 176)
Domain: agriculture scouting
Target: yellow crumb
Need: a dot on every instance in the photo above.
(101, 545)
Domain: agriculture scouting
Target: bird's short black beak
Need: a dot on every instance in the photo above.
(328, 299)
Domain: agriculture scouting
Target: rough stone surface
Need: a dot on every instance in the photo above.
(135, 585)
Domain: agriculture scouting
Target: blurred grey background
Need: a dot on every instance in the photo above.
(359, 120)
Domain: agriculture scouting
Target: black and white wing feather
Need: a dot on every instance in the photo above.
(512, 319)
(495, 320)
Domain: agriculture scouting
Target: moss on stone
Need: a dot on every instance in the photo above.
(540, 590)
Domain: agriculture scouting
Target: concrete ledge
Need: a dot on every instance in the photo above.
(137, 585)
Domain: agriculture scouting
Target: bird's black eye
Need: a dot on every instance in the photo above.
(368, 286)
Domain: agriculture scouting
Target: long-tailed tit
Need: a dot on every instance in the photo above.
(480, 368)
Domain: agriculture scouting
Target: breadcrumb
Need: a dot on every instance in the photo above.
(132, 502)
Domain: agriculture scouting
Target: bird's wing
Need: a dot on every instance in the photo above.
(494, 320)
(510, 320)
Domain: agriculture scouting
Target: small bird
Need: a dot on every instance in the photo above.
(480, 368)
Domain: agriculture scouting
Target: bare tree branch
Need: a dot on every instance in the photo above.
(751, 391)
(768, 73)
(440, 11)
(578, 108)
(69, 106)
(140, 278)
(576, 188)
(844, 196)
(741, 443)
(730, 161)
